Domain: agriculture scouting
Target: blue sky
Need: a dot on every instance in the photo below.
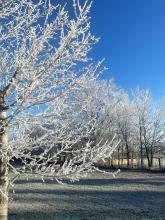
(132, 41)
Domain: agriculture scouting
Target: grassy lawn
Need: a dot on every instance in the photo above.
(130, 196)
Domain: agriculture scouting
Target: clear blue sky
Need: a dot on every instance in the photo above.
(132, 41)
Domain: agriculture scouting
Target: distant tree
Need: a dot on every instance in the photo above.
(149, 123)
(43, 55)
(125, 127)
(103, 98)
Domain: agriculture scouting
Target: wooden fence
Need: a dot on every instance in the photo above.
(134, 163)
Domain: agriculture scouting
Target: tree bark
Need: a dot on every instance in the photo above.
(4, 182)
(148, 157)
(159, 160)
(128, 154)
(118, 157)
(122, 156)
(132, 165)
(141, 149)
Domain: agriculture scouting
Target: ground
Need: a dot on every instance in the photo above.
(130, 196)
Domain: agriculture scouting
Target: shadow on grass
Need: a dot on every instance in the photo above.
(99, 182)
(99, 203)
(81, 204)
(132, 197)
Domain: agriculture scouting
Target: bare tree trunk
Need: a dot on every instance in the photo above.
(148, 160)
(148, 157)
(152, 156)
(128, 154)
(132, 161)
(159, 160)
(122, 156)
(141, 149)
(147, 150)
(4, 182)
(110, 160)
(118, 151)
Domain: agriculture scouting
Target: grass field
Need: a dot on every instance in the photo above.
(130, 196)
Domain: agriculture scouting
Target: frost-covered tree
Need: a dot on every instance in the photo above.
(125, 128)
(43, 60)
(149, 124)
(100, 98)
